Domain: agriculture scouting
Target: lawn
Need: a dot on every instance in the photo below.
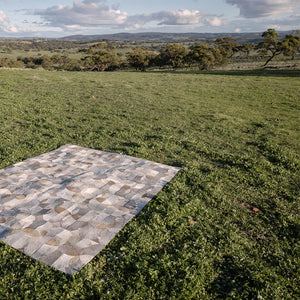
(227, 226)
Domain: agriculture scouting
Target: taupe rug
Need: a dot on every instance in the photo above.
(63, 207)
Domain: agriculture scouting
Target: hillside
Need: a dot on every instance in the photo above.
(253, 37)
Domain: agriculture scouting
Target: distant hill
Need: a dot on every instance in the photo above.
(253, 37)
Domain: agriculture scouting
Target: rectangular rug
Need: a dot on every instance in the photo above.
(63, 207)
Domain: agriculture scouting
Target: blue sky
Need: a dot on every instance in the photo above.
(57, 18)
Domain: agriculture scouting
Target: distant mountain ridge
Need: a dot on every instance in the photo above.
(252, 37)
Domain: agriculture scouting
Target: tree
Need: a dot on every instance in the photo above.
(291, 45)
(47, 63)
(228, 46)
(270, 46)
(101, 58)
(205, 57)
(6, 62)
(57, 60)
(174, 55)
(246, 48)
(140, 59)
(71, 64)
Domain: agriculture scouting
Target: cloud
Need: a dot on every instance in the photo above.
(3, 17)
(284, 23)
(178, 17)
(72, 27)
(182, 17)
(84, 13)
(5, 25)
(215, 21)
(175, 17)
(12, 29)
(265, 8)
(91, 16)
(95, 13)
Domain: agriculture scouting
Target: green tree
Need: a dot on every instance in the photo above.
(174, 55)
(101, 58)
(291, 45)
(72, 64)
(140, 59)
(246, 48)
(47, 63)
(6, 62)
(270, 46)
(228, 46)
(205, 57)
(57, 60)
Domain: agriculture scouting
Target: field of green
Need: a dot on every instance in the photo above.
(227, 226)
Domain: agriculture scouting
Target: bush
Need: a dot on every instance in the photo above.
(9, 63)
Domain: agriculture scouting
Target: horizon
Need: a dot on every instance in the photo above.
(146, 32)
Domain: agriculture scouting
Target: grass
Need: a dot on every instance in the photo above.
(227, 226)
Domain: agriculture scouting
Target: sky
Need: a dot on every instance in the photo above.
(59, 18)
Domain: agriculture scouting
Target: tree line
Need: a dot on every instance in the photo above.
(103, 57)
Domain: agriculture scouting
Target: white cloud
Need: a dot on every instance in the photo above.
(3, 16)
(72, 27)
(12, 29)
(91, 13)
(265, 8)
(262, 24)
(178, 17)
(215, 21)
(85, 13)
(182, 17)
(5, 25)
(286, 23)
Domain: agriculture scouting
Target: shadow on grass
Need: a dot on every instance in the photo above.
(233, 280)
(253, 72)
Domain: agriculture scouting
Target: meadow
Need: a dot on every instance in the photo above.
(227, 226)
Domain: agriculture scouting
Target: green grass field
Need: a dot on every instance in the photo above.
(227, 226)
